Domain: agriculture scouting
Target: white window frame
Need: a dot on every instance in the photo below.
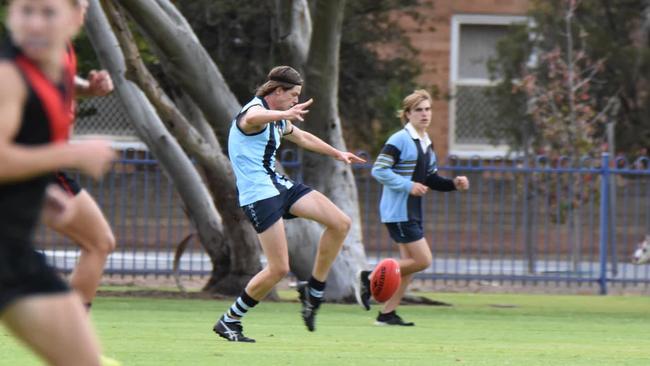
(470, 150)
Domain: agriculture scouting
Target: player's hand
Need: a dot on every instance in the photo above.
(461, 183)
(348, 157)
(100, 83)
(298, 111)
(94, 157)
(419, 189)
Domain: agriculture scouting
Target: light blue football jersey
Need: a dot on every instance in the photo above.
(253, 158)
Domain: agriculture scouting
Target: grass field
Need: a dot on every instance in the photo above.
(478, 330)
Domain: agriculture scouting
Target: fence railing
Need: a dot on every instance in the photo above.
(561, 221)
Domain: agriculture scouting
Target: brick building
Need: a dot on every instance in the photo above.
(453, 56)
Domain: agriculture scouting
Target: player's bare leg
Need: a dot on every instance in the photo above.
(415, 257)
(56, 328)
(88, 228)
(274, 246)
(317, 207)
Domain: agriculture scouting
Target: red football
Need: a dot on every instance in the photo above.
(385, 279)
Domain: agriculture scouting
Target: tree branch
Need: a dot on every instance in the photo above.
(151, 130)
(612, 102)
(188, 59)
(592, 74)
(137, 72)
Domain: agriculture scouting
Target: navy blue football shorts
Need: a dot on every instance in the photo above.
(405, 232)
(264, 213)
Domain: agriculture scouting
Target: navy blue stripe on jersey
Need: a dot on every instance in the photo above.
(392, 151)
(414, 203)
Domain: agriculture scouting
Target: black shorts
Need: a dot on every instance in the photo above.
(24, 273)
(267, 212)
(66, 183)
(405, 232)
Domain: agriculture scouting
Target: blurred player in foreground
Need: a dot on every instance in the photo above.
(35, 104)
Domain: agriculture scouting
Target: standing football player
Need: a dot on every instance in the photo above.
(407, 169)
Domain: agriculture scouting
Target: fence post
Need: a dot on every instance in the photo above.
(527, 219)
(604, 222)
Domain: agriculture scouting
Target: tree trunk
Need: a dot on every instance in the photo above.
(224, 190)
(293, 30)
(302, 235)
(332, 178)
(234, 270)
(151, 130)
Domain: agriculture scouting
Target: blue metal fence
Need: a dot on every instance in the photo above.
(523, 221)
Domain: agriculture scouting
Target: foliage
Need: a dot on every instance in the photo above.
(566, 102)
(372, 87)
(85, 54)
(514, 126)
(241, 36)
(606, 33)
(3, 15)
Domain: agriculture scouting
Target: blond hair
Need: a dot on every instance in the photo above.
(285, 77)
(412, 100)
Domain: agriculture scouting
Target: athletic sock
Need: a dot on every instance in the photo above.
(316, 289)
(239, 308)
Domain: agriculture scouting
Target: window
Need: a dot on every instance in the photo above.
(473, 42)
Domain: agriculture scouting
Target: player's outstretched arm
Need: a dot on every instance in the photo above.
(312, 143)
(258, 116)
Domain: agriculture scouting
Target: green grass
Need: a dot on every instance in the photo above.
(538, 330)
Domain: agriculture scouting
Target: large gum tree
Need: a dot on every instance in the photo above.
(185, 112)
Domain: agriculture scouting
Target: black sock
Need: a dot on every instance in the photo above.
(316, 289)
(240, 307)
